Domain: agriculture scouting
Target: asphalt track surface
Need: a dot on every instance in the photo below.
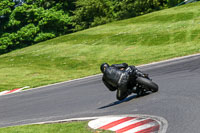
(178, 100)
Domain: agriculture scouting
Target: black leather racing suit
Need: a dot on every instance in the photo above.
(116, 79)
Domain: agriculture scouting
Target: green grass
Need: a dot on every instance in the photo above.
(153, 37)
(73, 127)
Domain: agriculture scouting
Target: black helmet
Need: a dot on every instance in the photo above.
(103, 66)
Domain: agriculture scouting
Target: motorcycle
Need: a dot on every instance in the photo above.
(143, 83)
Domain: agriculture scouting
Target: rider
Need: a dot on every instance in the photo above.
(118, 77)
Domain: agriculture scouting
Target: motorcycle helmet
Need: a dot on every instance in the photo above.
(103, 67)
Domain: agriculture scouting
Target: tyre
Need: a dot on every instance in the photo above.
(148, 84)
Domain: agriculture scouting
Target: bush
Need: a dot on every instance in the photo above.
(172, 3)
(55, 22)
(28, 24)
(44, 36)
(95, 12)
(88, 12)
(22, 38)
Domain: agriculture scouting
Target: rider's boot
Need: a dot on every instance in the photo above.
(140, 92)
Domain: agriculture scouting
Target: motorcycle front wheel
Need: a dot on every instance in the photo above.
(148, 84)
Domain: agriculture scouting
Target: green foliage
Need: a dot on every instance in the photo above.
(27, 33)
(43, 36)
(31, 23)
(95, 12)
(91, 13)
(5, 7)
(4, 41)
(54, 22)
(5, 10)
(21, 38)
(172, 3)
(38, 20)
(65, 5)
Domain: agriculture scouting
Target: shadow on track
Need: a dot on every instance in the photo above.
(119, 102)
(125, 100)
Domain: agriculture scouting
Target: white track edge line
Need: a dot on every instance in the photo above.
(3, 93)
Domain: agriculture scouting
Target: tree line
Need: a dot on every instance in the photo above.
(33, 21)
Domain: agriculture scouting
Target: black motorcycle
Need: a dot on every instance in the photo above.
(143, 84)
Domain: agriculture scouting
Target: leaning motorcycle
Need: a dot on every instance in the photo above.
(143, 84)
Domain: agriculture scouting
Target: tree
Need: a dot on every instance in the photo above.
(26, 24)
(6, 7)
(91, 13)
(95, 12)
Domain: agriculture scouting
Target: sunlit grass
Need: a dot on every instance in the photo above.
(73, 127)
(148, 38)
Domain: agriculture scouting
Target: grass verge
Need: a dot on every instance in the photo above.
(72, 127)
(153, 37)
